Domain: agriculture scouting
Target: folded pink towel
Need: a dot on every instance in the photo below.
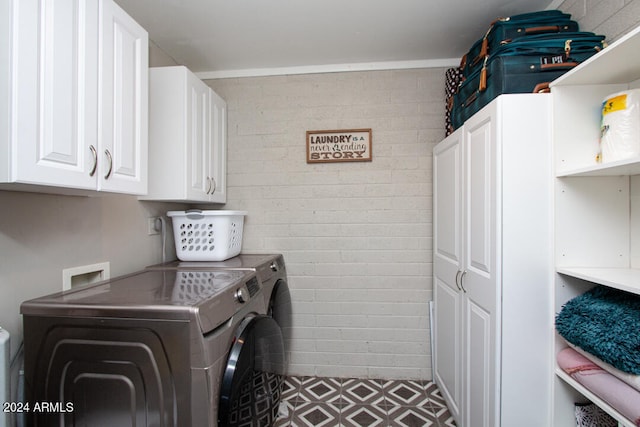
(631, 379)
(621, 396)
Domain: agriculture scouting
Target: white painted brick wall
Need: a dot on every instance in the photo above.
(612, 18)
(356, 236)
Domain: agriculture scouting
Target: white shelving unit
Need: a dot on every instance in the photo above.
(626, 279)
(593, 398)
(620, 167)
(597, 205)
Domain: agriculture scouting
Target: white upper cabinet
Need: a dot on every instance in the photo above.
(187, 133)
(76, 91)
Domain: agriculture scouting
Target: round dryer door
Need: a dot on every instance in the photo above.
(280, 309)
(253, 378)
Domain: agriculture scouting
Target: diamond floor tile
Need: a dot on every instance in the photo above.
(314, 414)
(363, 416)
(404, 393)
(352, 402)
(409, 416)
(320, 390)
(362, 391)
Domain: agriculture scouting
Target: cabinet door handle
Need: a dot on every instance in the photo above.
(457, 285)
(462, 281)
(108, 154)
(94, 154)
(213, 186)
(208, 186)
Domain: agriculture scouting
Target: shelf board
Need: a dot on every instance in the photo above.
(598, 68)
(624, 167)
(594, 398)
(626, 279)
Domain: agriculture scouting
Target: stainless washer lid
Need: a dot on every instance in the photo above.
(242, 261)
(208, 297)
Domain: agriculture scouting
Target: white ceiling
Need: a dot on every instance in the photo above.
(225, 38)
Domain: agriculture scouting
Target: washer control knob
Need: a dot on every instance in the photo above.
(274, 266)
(242, 296)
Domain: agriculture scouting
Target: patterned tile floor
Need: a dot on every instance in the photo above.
(329, 402)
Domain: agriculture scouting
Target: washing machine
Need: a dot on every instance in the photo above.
(270, 270)
(154, 348)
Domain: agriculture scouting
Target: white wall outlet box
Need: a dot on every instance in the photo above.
(84, 275)
(154, 225)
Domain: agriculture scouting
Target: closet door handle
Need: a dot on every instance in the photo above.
(108, 154)
(94, 154)
(462, 281)
(457, 285)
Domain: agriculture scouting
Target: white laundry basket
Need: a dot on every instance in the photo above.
(207, 235)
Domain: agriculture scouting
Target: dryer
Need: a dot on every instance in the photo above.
(158, 347)
(270, 270)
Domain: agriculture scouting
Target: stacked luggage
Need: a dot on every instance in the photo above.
(519, 54)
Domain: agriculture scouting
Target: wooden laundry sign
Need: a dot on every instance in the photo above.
(351, 145)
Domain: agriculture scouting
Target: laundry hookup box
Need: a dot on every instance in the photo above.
(207, 235)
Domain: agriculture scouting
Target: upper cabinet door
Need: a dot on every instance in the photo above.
(207, 136)
(218, 149)
(198, 137)
(55, 84)
(124, 56)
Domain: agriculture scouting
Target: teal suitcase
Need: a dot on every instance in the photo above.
(505, 30)
(523, 66)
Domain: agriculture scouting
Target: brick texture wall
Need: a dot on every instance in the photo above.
(356, 236)
(612, 18)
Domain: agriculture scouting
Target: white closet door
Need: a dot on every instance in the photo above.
(478, 279)
(447, 163)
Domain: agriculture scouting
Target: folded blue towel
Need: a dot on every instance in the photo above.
(606, 323)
